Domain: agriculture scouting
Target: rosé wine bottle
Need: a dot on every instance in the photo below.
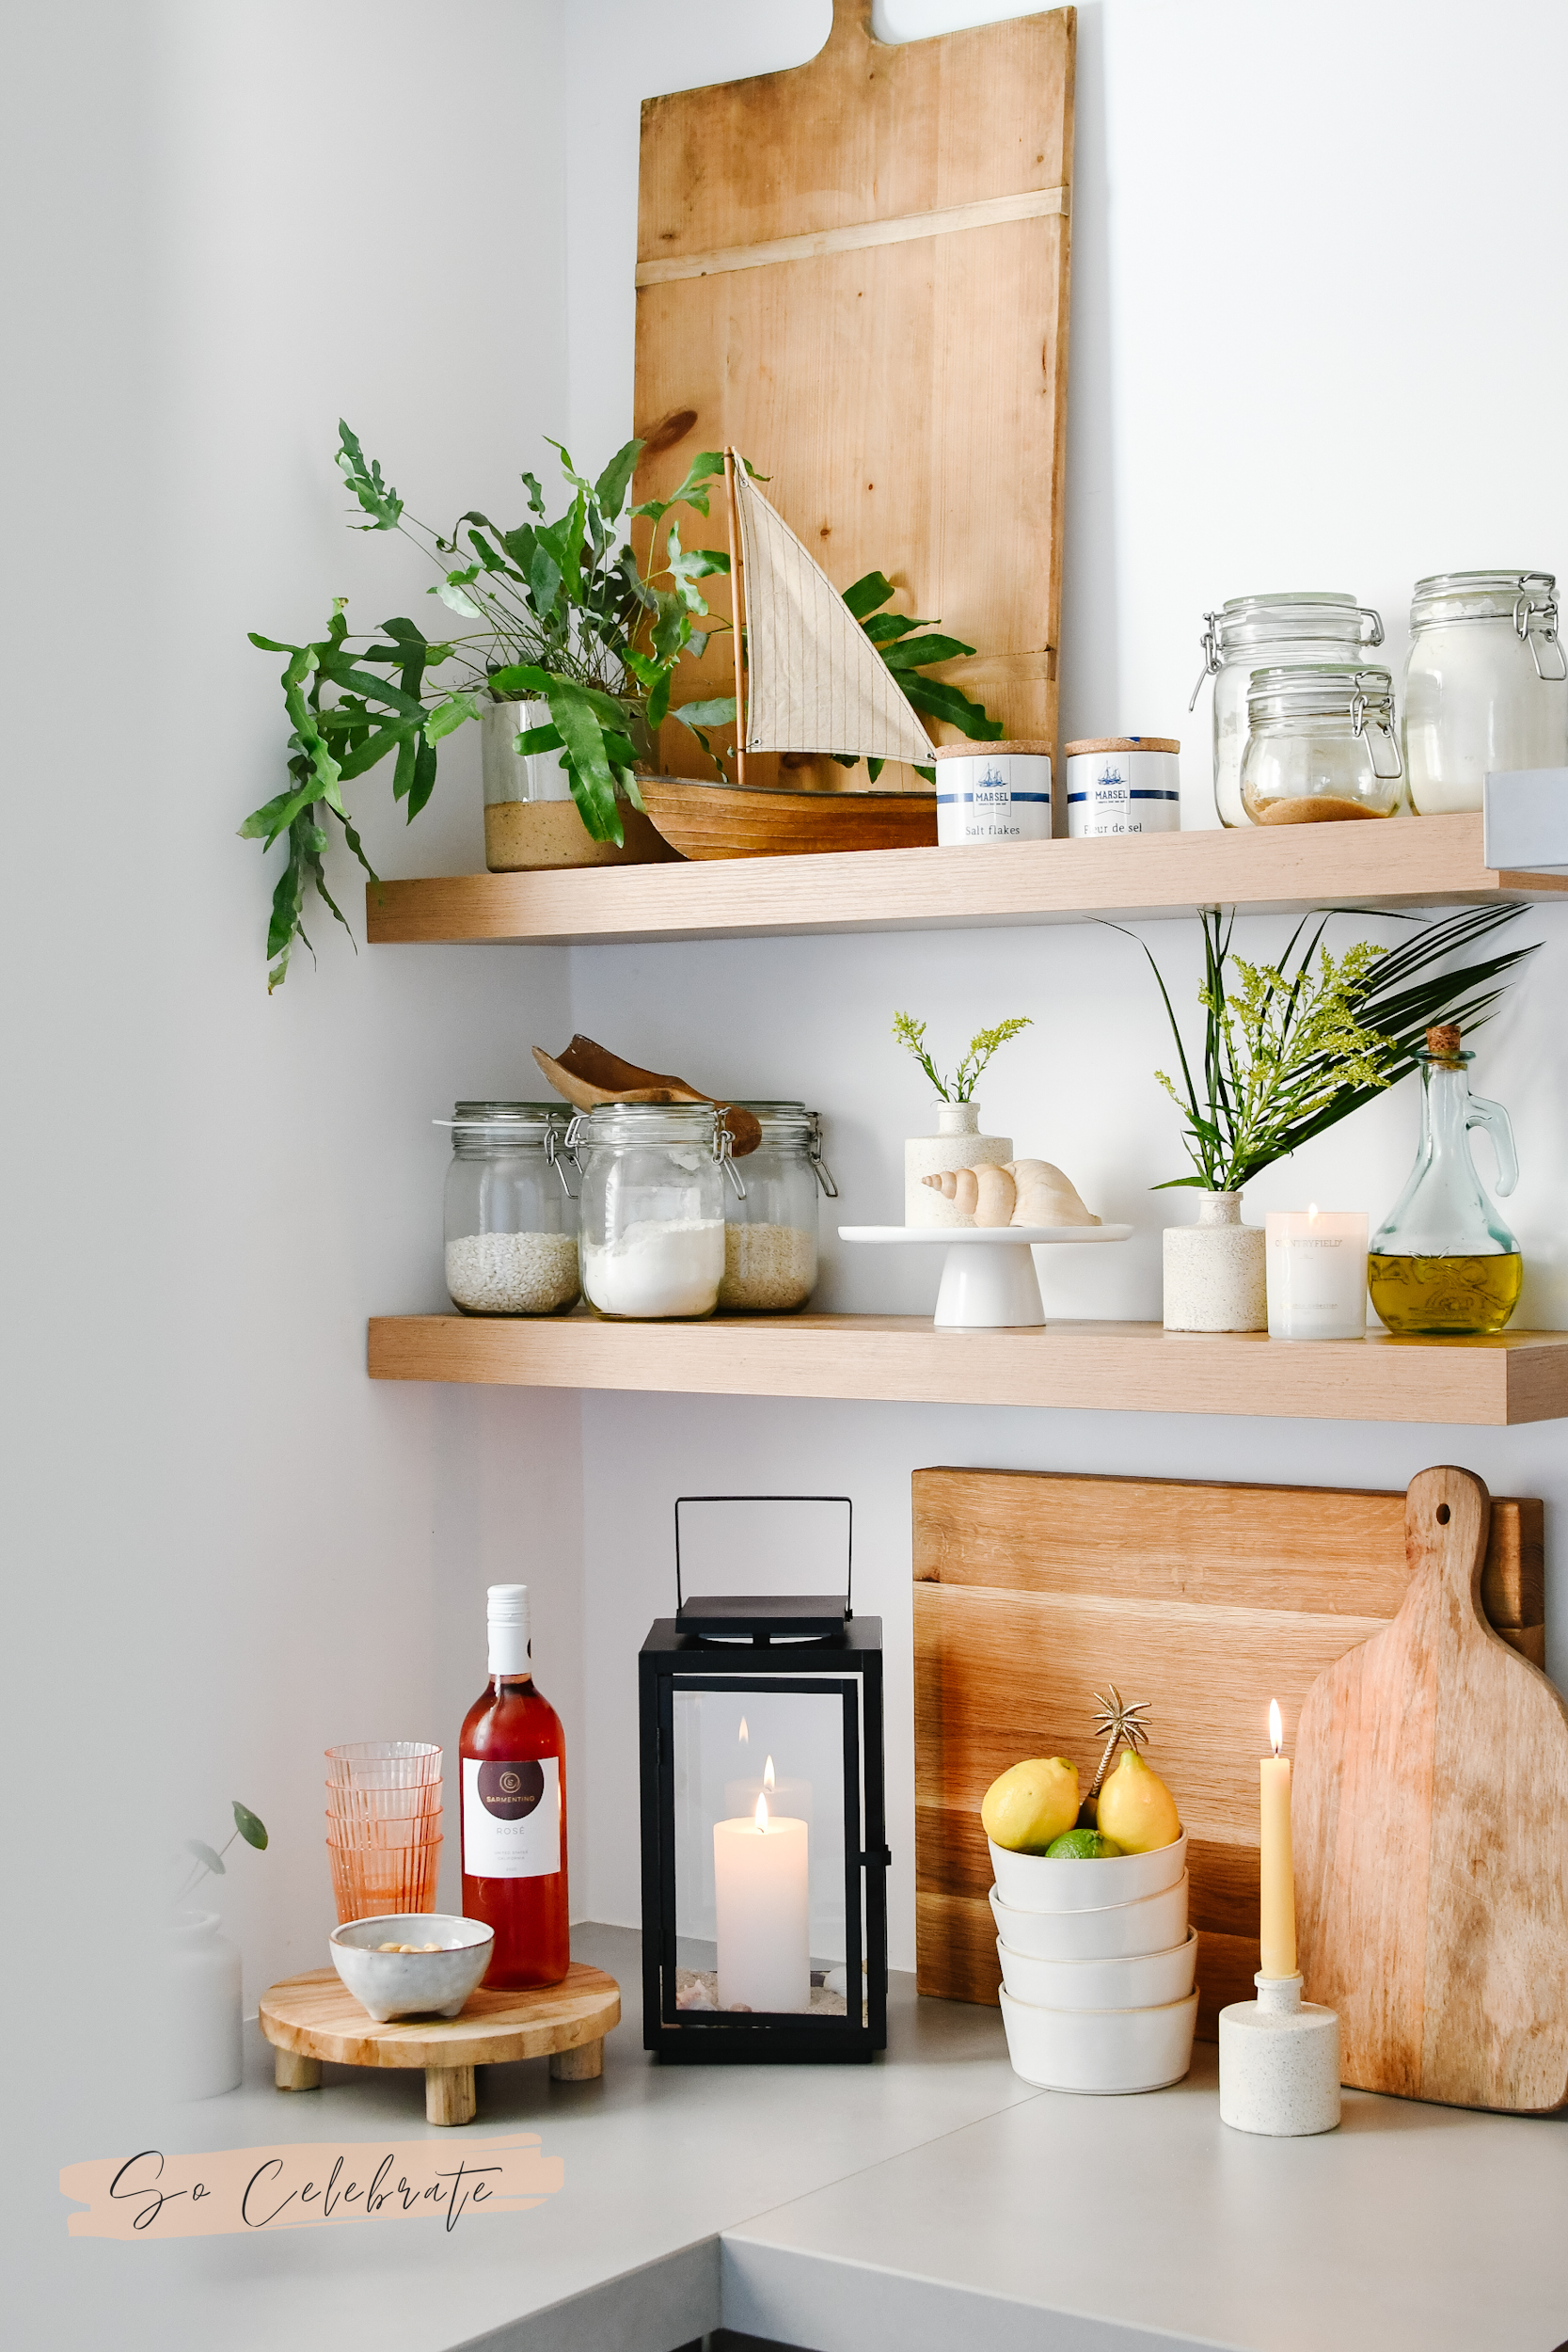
(513, 1762)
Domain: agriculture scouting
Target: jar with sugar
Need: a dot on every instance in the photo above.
(652, 1207)
(1485, 686)
(770, 1234)
(1320, 745)
(1262, 632)
(510, 1215)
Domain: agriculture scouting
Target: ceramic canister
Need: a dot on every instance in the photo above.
(1122, 784)
(996, 792)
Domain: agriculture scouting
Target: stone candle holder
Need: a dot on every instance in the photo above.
(1279, 2063)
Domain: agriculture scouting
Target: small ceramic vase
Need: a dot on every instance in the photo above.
(1215, 1278)
(205, 2044)
(958, 1143)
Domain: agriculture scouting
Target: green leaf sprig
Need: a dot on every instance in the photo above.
(1289, 1049)
(961, 1086)
(209, 1860)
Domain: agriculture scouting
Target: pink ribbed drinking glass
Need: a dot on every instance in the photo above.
(383, 1826)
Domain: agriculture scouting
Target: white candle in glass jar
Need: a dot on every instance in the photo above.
(763, 1900)
(1316, 1269)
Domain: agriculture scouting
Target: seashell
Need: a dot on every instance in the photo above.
(1045, 1196)
(995, 1195)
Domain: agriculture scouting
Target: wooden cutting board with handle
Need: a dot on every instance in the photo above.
(855, 271)
(1431, 1837)
(1033, 1590)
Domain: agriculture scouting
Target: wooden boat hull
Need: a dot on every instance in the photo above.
(709, 821)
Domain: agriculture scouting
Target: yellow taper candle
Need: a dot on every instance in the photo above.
(1277, 1926)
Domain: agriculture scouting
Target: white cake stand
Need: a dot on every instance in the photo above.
(988, 1278)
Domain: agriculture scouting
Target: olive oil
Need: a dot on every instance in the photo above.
(1446, 1293)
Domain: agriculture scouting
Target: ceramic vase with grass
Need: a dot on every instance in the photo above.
(958, 1143)
(1214, 1270)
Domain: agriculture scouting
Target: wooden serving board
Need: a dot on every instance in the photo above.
(315, 2017)
(856, 273)
(1032, 1591)
(1430, 1836)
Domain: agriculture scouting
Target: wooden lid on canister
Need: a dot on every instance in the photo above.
(983, 751)
(1121, 743)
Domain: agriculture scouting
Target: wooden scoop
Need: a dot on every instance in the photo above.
(588, 1075)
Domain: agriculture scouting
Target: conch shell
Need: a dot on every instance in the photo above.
(1024, 1192)
(1045, 1196)
(986, 1193)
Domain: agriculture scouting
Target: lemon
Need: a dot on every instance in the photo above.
(1081, 1845)
(1032, 1803)
(1136, 1808)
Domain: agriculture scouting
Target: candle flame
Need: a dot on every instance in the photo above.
(760, 1817)
(744, 1733)
(767, 1773)
(1312, 1213)
(1276, 1729)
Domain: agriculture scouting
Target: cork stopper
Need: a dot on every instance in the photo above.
(1443, 1042)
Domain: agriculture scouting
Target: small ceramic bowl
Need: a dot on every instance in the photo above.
(1151, 1925)
(1104, 2050)
(412, 1984)
(1140, 1981)
(1027, 1881)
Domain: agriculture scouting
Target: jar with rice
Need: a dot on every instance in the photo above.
(510, 1215)
(652, 1208)
(770, 1235)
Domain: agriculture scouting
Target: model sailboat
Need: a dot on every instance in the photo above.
(807, 680)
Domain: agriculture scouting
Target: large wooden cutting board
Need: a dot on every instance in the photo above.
(1431, 1837)
(856, 273)
(1033, 1591)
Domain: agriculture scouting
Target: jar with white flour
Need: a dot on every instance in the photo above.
(652, 1208)
(510, 1215)
(1485, 686)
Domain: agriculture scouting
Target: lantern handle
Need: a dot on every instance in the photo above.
(848, 1545)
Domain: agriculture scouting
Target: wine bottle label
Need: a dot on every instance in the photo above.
(511, 1818)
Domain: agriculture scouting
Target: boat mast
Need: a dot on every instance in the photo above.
(736, 611)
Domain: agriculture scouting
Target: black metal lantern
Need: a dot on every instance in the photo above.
(764, 1856)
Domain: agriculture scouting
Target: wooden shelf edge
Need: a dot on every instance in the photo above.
(1426, 861)
(1517, 1376)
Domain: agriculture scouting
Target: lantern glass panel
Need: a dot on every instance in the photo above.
(763, 1913)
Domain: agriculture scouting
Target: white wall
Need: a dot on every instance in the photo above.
(225, 227)
(1303, 353)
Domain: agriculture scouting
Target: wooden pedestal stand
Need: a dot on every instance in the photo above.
(313, 2017)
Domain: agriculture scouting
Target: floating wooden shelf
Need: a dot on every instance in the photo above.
(1119, 1367)
(1418, 861)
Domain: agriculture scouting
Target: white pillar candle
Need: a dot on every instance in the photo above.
(1316, 1269)
(762, 1897)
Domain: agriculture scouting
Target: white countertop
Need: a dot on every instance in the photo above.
(928, 2200)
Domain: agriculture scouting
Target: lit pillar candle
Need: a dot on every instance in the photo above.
(789, 1797)
(1315, 1264)
(762, 1897)
(1278, 1922)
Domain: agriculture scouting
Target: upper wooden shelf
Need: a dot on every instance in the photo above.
(1414, 861)
(1120, 1367)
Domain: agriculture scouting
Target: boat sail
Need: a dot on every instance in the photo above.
(812, 680)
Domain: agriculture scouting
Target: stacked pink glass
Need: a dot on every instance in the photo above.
(383, 1826)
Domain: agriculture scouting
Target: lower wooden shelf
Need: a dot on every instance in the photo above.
(1115, 1367)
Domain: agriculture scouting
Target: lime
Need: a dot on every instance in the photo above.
(1081, 1845)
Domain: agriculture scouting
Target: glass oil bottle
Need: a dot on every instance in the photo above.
(1444, 1262)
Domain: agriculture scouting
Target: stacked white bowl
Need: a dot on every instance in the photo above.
(1098, 1964)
